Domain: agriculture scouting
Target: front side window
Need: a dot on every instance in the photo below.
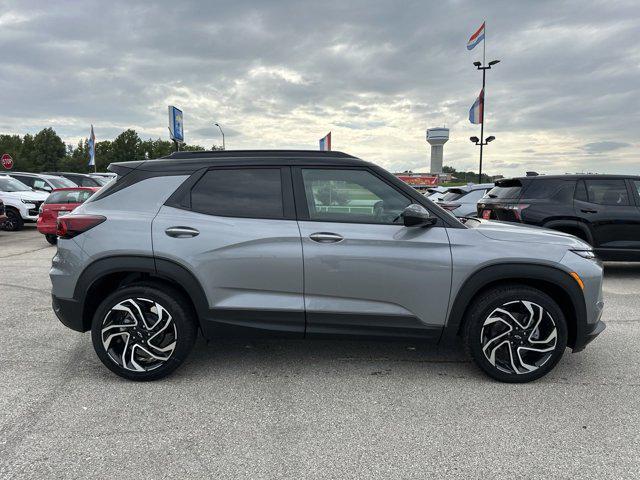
(241, 192)
(358, 196)
(607, 192)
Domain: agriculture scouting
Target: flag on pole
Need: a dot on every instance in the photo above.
(476, 113)
(476, 38)
(325, 143)
(92, 148)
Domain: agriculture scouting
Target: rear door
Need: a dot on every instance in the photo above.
(234, 229)
(608, 206)
(365, 272)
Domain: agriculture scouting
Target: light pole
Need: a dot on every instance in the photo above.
(223, 144)
(484, 69)
(477, 141)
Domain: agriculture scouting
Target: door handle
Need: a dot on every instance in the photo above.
(326, 237)
(182, 232)
(587, 210)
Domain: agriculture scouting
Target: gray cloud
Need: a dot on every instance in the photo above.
(604, 146)
(281, 74)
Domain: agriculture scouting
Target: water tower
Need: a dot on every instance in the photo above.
(437, 137)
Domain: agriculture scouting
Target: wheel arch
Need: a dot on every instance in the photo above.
(105, 275)
(572, 227)
(556, 283)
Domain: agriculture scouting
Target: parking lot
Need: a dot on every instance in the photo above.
(314, 409)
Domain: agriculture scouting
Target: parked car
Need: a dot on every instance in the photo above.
(266, 242)
(433, 193)
(104, 177)
(60, 202)
(3, 215)
(603, 210)
(21, 202)
(462, 201)
(79, 179)
(41, 182)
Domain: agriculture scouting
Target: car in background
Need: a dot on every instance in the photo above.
(103, 177)
(3, 216)
(603, 210)
(79, 179)
(462, 201)
(41, 182)
(21, 202)
(60, 203)
(432, 193)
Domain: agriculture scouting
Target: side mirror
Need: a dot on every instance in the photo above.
(417, 216)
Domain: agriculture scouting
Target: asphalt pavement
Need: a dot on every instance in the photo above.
(307, 409)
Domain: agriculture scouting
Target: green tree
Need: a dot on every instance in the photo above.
(126, 147)
(48, 150)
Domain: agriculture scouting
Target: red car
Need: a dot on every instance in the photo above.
(60, 202)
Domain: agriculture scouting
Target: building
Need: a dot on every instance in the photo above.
(437, 137)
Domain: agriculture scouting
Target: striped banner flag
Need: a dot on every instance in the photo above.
(476, 38)
(325, 143)
(476, 113)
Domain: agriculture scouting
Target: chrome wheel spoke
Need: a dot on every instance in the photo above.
(139, 334)
(518, 337)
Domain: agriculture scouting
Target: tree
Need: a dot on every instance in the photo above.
(48, 150)
(127, 147)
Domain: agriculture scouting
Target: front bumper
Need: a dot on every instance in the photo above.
(69, 312)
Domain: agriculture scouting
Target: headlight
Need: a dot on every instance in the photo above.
(589, 254)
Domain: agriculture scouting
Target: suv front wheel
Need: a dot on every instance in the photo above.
(143, 331)
(515, 334)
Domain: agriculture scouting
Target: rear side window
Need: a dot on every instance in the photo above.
(506, 189)
(69, 196)
(242, 192)
(607, 192)
(552, 189)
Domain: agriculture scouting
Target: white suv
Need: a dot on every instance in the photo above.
(20, 201)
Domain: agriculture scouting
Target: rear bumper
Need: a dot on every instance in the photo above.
(46, 227)
(69, 312)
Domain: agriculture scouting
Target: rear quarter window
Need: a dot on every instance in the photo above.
(551, 189)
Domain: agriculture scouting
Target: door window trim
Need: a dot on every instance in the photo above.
(302, 207)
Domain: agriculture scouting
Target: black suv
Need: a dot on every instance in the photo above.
(603, 210)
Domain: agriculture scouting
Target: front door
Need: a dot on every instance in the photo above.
(237, 233)
(365, 273)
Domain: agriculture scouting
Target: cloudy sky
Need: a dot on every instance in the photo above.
(281, 74)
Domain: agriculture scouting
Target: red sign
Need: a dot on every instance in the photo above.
(7, 161)
(419, 180)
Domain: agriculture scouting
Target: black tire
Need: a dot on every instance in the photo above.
(183, 337)
(52, 239)
(487, 337)
(13, 222)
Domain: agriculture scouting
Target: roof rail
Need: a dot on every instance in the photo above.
(256, 153)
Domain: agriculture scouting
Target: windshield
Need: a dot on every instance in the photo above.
(102, 180)
(60, 182)
(8, 184)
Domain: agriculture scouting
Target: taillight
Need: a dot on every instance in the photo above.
(517, 209)
(69, 226)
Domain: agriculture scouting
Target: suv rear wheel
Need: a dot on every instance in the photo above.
(515, 334)
(143, 331)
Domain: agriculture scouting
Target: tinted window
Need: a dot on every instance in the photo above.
(581, 192)
(637, 185)
(60, 182)
(69, 196)
(89, 182)
(243, 192)
(40, 184)
(506, 189)
(24, 179)
(453, 194)
(552, 189)
(607, 192)
(351, 196)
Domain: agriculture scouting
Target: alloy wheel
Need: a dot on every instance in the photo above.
(519, 337)
(139, 334)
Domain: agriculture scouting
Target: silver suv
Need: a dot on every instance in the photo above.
(310, 244)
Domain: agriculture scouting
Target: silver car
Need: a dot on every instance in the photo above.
(463, 201)
(310, 244)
